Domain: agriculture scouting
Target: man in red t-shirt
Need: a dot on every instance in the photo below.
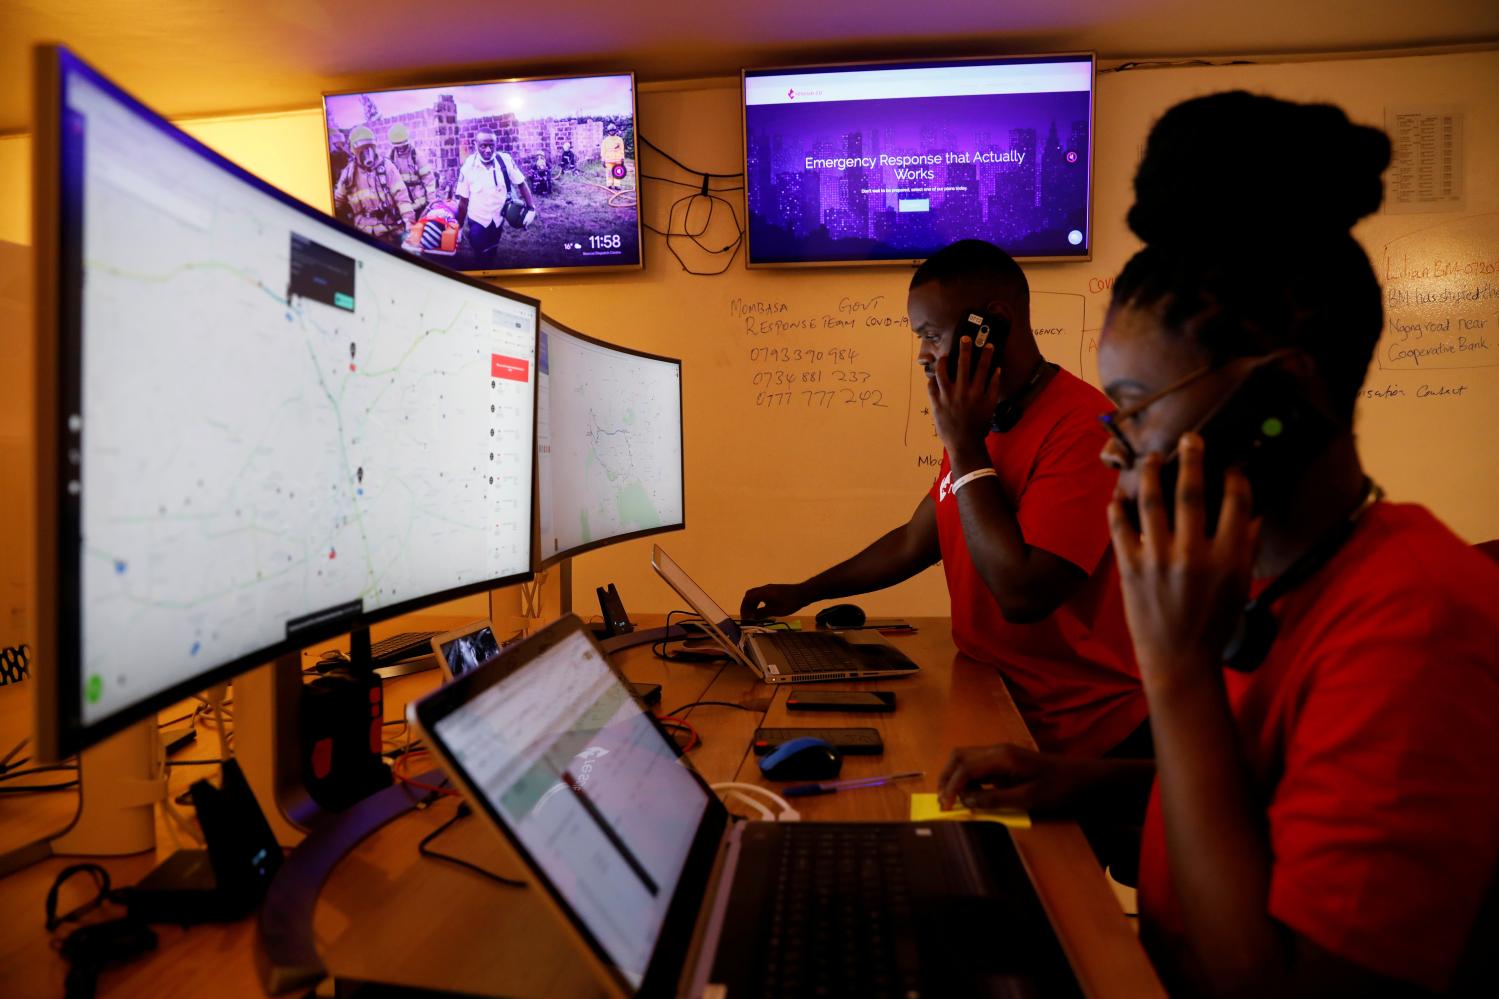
(1016, 515)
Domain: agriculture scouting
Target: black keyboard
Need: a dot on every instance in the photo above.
(810, 652)
(841, 918)
(403, 646)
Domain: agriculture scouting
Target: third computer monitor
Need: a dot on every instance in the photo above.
(609, 437)
(263, 428)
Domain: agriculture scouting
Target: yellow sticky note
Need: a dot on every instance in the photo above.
(924, 808)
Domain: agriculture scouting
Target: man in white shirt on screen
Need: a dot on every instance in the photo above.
(487, 182)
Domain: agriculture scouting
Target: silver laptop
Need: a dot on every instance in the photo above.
(665, 896)
(781, 656)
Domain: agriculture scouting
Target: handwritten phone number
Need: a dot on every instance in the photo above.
(802, 355)
(822, 398)
(784, 377)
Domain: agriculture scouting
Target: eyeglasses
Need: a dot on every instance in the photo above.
(1114, 422)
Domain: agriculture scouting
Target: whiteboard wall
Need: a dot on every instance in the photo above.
(780, 486)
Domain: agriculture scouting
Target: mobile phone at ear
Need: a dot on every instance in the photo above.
(840, 700)
(1265, 428)
(981, 329)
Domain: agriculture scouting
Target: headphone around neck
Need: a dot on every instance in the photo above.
(1009, 412)
(1257, 629)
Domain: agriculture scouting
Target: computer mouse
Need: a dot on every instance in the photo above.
(802, 759)
(841, 616)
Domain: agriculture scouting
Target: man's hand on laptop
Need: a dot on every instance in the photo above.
(771, 600)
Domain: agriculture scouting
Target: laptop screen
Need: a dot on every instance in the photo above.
(694, 594)
(469, 651)
(588, 786)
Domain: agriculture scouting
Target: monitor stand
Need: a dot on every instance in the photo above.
(565, 587)
(119, 782)
(266, 705)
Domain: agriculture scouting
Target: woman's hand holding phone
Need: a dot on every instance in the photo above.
(1183, 590)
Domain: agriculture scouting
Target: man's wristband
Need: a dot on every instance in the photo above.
(977, 473)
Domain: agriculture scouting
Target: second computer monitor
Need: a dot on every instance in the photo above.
(609, 441)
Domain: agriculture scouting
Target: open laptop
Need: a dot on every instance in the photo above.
(780, 656)
(638, 858)
(464, 649)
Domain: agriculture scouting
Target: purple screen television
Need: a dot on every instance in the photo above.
(489, 178)
(889, 163)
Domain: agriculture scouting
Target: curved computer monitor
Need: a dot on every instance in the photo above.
(258, 428)
(609, 443)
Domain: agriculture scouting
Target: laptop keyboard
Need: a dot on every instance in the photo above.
(809, 653)
(399, 646)
(840, 915)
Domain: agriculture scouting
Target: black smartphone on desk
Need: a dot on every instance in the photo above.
(848, 741)
(841, 700)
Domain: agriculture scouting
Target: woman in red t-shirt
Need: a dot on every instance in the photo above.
(1322, 667)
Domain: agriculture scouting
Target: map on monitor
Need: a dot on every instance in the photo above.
(280, 425)
(609, 437)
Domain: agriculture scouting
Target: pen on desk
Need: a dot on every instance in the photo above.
(832, 786)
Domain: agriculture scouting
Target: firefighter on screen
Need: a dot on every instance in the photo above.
(421, 181)
(370, 193)
(612, 152)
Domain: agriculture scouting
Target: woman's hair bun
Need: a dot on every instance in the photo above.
(1255, 171)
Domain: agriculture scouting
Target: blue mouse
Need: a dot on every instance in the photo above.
(802, 759)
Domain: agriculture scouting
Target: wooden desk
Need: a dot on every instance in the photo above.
(388, 914)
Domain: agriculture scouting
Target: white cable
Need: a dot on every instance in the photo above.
(736, 789)
(175, 819)
(216, 701)
(765, 814)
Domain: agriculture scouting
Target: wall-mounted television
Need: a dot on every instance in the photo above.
(887, 163)
(496, 177)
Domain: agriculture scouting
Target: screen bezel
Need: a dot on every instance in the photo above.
(663, 970)
(639, 264)
(845, 67)
(547, 561)
(728, 641)
(57, 238)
